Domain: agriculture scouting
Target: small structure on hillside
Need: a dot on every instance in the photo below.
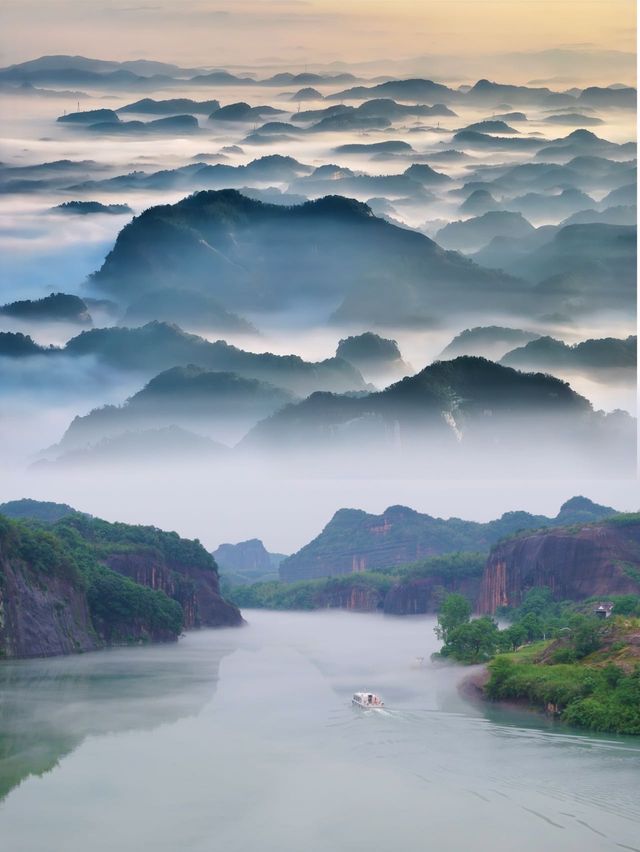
(603, 609)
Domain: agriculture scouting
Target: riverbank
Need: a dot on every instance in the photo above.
(472, 689)
(599, 692)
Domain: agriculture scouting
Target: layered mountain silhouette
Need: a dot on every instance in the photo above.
(549, 207)
(170, 106)
(273, 167)
(218, 405)
(88, 117)
(472, 234)
(14, 344)
(247, 562)
(463, 417)
(389, 147)
(159, 346)
(179, 124)
(242, 111)
(375, 108)
(579, 268)
(307, 93)
(142, 447)
(88, 208)
(403, 90)
(490, 342)
(374, 356)
(620, 215)
(108, 121)
(246, 254)
(546, 353)
(497, 126)
(189, 309)
(574, 118)
(57, 307)
(401, 534)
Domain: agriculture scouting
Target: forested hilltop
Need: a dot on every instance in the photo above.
(354, 540)
(80, 583)
(405, 589)
(579, 560)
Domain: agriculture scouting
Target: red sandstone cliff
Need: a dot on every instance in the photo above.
(575, 562)
(196, 589)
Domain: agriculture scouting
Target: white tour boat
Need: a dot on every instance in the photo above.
(368, 700)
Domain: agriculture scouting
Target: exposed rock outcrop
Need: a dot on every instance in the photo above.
(81, 583)
(355, 598)
(41, 615)
(196, 589)
(575, 562)
(421, 596)
(355, 541)
(247, 562)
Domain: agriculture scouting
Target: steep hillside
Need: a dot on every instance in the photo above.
(247, 562)
(356, 541)
(405, 589)
(159, 346)
(576, 562)
(80, 583)
(247, 254)
(44, 511)
(210, 403)
(463, 418)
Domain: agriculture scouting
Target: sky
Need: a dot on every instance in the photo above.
(449, 33)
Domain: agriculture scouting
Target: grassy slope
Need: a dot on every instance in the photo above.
(600, 692)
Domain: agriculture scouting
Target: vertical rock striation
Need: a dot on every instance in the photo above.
(575, 563)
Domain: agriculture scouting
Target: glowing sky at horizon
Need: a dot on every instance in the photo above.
(301, 32)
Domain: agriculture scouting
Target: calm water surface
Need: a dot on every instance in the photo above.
(240, 740)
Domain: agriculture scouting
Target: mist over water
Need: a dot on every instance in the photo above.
(238, 738)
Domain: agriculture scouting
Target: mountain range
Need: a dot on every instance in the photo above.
(465, 417)
(246, 562)
(546, 353)
(219, 405)
(355, 541)
(333, 251)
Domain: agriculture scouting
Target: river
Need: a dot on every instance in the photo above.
(242, 740)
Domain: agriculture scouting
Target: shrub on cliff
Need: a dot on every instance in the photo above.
(39, 550)
(120, 609)
(116, 603)
(105, 537)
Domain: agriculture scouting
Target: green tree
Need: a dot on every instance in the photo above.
(455, 611)
(537, 601)
(514, 636)
(585, 635)
(532, 626)
(474, 641)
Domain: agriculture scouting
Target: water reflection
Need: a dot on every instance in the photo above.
(49, 707)
(278, 757)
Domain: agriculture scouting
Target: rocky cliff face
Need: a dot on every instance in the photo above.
(247, 562)
(82, 583)
(355, 541)
(421, 596)
(354, 598)
(576, 563)
(41, 615)
(196, 589)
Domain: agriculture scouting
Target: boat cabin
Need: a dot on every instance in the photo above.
(367, 699)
